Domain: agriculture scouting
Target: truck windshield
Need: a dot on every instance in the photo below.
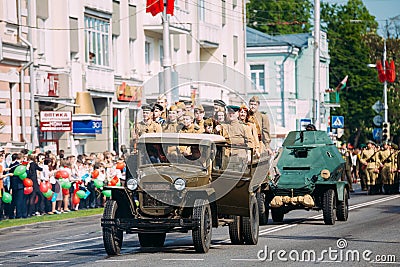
(156, 153)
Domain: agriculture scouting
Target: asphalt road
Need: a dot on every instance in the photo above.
(370, 237)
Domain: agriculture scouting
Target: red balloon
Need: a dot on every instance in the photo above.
(95, 173)
(114, 181)
(62, 174)
(50, 197)
(27, 182)
(28, 190)
(65, 191)
(120, 165)
(75, 199)
(24, 163)
(43, 187)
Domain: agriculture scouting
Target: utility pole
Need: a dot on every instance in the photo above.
(316, 91)
(167, 62)
(385, 109)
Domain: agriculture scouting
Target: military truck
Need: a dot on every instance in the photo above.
(308, 174)
(181, 182)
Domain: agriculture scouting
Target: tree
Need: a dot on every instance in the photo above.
(346, 26)
(279, 17)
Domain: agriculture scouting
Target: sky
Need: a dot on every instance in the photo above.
(381, 9)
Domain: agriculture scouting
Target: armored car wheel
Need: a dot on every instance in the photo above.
(151, 239)
(251, 223)
(263, 209)
(235, 230)
(112, 236)
(202, 234)
(277, 214)
(342, 209)
(329, 206)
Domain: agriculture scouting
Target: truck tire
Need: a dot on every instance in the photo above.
(202, 234)
(112, 236)
(251, 224)
(277, 215)
(263, 209)
(329, 206)
(342, 209)
(151, 239)
(235, 230)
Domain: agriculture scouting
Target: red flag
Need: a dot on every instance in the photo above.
(390, 72)
(154, 6)
(170, 7)
(381, 72)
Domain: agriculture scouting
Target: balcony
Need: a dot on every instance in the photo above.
(101, 5)
(209, 35)
(100, 79)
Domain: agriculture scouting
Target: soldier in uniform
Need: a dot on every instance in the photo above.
(386, 157)
(262, 123)
(172, 125)
(199, 117)
(369, 158)
(362, 169)
(209, 126)
(348, 168)
(189, 152)
(235, 133)
(180, 111)
(162, 100)
(251, 129)
(157, 110)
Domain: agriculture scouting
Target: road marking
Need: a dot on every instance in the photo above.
(245, 260)
(47, 262)
(64, 243)
(109, 260)
(182, 259)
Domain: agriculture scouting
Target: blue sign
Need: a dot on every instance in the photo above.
(337, 122)
(377, 133)
(87, 127)
(304, 123)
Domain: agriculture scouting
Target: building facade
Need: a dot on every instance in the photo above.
(281, 67)
(52, 51)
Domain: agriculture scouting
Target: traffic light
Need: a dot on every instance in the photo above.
(385, 131)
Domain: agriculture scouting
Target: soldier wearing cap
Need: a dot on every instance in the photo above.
(209, 126)
(188, 105)
(162, 100)
(147, 125)
(218, 103)
(180, 111)
(262, 124)
(172, 125)
(199, 117)
(348, 166)
(369, 158)
(386, 161)
(188, 125)
(157, 110)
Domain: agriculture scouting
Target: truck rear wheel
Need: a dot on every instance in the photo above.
(235, 230)
(112, 236)
(202, 234)
(342, 209)
(329, 206)
(151, 239)
(251, 223)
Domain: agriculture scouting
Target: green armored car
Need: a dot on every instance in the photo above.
(308, 175)
(181, 182)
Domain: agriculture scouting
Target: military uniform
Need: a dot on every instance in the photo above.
(200, 124)
(263, 129)
(172, 127)
(386, 157)
(348, 167)
(369, 158)
(152, 127)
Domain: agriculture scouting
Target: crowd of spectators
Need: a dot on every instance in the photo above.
(41, 169)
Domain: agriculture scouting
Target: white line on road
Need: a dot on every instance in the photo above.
(116, 260)
(182, 259)
(47, 262)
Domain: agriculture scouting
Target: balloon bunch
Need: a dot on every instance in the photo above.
(99, 184)
(45, 188)
(20, 171)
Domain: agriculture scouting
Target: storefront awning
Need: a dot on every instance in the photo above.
(56, 100)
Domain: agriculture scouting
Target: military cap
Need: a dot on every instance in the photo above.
(243, 106)
(371, 142)
(186, 102)
(219, 102)
(232, 108)
(180, 105)
(188, 113)
(387, 143)
(173, 107)
(146, 107)
(255, 99)
(199, 107)
(157, 106)
(394, 146)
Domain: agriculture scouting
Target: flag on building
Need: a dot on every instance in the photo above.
(156, 6)
(342, 84)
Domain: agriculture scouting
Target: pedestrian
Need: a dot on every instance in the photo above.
(35, 197)
(18, 202)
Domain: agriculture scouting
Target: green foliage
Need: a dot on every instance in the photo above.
(279, 17)
(346, 26)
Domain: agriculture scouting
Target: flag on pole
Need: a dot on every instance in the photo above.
(342, 84)
(156, 6)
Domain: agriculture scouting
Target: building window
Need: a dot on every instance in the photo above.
(258, 76)
(161, 55)
(147, 58)
(132, 54)
(97, 32)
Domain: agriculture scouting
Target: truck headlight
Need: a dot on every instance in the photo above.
(325, 174)
(132, 184)
(179, 184)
